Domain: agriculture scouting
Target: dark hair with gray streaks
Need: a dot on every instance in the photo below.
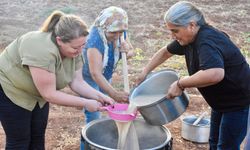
(182, 13)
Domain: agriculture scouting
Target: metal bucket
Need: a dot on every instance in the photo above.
(162, 110)
(102, 134)
(197, 133)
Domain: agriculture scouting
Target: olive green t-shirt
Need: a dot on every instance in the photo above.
(33, 49)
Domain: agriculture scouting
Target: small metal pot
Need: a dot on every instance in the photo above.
(161, 111)
(197, 133)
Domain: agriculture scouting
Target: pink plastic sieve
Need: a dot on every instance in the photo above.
(117, 112)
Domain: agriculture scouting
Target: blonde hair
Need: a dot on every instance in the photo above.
(67, 27)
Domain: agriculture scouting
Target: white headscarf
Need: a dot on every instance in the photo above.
(111, 19)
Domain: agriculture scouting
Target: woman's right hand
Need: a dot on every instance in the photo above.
(173, 91)
(92, 105)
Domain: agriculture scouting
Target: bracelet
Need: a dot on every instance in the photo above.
(179, 85)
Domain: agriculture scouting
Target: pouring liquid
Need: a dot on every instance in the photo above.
(128, 139)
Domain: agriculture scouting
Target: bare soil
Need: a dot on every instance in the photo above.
(147, 33)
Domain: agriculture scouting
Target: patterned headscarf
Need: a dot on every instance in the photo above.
(112, 19)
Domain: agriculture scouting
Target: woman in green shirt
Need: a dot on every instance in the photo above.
(33, 69)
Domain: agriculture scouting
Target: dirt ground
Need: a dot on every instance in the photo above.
(147, 32)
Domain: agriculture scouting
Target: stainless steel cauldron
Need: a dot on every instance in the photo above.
(102, 134)
(162, 110)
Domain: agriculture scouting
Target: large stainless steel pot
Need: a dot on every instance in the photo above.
(197, 133)
(102, 134)
(162, 110)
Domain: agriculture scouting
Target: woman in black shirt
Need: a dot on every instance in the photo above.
(216, 67)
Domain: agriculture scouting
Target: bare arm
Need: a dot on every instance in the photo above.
(159, 57)
(45, 82)
(202, 78)
(84, 89)
(95, 66)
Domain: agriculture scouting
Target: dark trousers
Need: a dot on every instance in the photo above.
(25, 130)
(228, 130)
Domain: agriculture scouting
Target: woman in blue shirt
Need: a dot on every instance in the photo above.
(108, 36)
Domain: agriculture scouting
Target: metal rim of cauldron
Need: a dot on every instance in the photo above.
(169, 136)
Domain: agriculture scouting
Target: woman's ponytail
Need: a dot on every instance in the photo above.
(50, 23)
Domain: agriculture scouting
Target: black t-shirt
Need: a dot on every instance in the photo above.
(214, 49)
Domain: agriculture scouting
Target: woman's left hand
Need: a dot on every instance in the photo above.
(104, 99)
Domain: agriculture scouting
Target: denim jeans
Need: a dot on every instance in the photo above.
(228, 129)
(24, 129)
(247, 144)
